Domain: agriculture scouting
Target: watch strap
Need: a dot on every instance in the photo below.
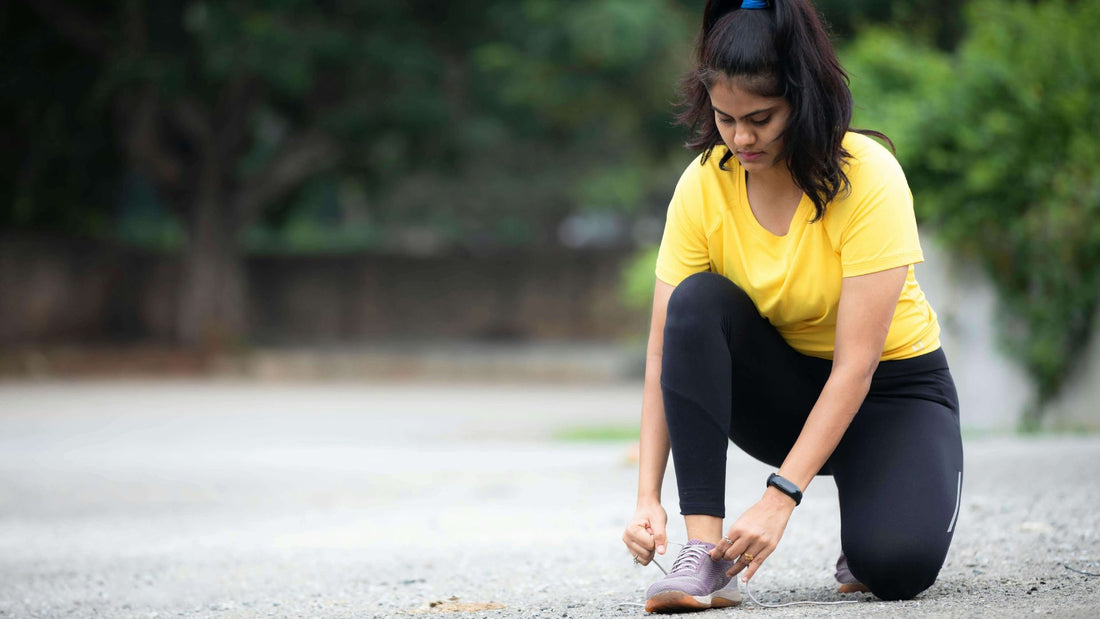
(786, 486)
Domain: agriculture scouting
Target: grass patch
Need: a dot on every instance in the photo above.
(1079, 430)
(598, 434)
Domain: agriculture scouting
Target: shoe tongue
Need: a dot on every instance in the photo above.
(698, 542)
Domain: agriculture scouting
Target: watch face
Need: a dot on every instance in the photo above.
(786, 487)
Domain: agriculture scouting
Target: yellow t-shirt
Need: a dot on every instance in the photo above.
(794, 280)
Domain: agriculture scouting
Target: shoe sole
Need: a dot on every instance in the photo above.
(853, 587)
(678, 602)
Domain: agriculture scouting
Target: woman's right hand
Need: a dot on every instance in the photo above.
(646, 533)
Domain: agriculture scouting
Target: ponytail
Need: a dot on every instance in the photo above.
(782, 50)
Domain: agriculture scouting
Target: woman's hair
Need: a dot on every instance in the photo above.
(779, 51)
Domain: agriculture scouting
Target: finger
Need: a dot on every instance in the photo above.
(740, 544)
(721, 549)
(637, 537)
(645, 538)
(639, 543)
(738, 565)
(640, 553)
(660, 540)
(640, 530)
(736, 568)
(635, 549)
(745, 559)
(757, 561)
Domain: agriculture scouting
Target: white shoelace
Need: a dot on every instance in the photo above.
(688, 559)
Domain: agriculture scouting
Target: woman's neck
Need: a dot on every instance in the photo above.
(774, 198)
(776, 180)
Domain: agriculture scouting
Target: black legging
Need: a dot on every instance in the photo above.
(898, 469)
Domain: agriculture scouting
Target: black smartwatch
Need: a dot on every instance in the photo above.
(785, 486)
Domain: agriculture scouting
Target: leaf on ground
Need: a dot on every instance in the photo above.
(452, 605)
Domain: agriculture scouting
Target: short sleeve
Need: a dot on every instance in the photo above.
(879, 230)
(684, 250)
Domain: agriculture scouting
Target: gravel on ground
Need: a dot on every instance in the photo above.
(207, 499)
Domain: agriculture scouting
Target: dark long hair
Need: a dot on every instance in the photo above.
(781, 51)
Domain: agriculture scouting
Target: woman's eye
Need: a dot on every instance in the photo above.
(762, 121)
(725, 120)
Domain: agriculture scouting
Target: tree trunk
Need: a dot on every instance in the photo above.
(213, 301)
(212, 305)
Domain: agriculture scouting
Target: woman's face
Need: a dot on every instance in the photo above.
(751, 126)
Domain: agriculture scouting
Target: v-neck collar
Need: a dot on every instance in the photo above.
(754, 223)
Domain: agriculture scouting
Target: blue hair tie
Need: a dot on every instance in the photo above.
(754, 4)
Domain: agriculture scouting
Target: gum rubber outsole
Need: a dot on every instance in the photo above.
(679, 602)
(854, 587)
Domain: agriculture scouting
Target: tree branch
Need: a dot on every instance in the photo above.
(141, 136)
(300, 157)
(191, 116)
(234, 112)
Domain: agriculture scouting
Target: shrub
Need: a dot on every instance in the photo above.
(1001, 150)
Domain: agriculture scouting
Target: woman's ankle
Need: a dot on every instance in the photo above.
(704, 528)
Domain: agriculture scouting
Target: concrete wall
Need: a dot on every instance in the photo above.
(55, 291)
(63, 291)
(993, 392)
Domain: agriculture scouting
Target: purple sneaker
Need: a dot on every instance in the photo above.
(848, 583)
(695, 583)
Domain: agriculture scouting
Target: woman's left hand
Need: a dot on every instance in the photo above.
(755, 534)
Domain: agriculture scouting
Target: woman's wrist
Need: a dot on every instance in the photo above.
(649, 499)
(774, 496)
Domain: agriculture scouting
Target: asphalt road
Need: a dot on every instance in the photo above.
(251, 500)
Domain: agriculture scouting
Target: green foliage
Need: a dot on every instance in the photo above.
(58, 169)
(893, 81)
(598, 434)
(573, 108)
(938, 22)
(638, 278)
(558, 106)
(489, 121)
(472, 123)
(1002, 149)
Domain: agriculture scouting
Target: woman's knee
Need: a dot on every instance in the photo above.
(707, 297)
(895, 569)
(695, 355)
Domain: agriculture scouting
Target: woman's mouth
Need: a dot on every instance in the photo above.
(750, 155)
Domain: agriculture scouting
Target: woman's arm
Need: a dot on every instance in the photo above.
(654, 446)
(867, 306)
(646, 532)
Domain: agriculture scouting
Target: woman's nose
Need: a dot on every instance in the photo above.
(743, 137)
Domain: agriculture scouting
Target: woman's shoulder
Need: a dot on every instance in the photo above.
(707, 165)
(705, 177)
(868, 155)
(876, 181)
(706, 188)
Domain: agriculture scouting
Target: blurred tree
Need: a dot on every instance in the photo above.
(186, 85)
(485, 118)
(894, 80)
(937, 22)
(1001, 145)
(567, 109)
(266, 121)
(59, 171)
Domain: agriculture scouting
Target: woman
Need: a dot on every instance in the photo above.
(786, 318)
